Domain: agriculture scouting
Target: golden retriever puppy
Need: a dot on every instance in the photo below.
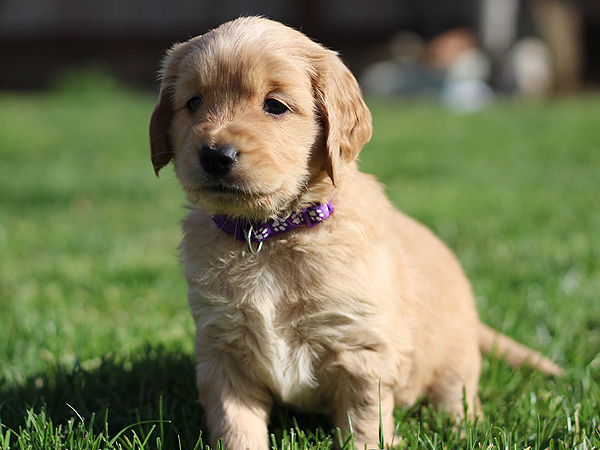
(305, 285)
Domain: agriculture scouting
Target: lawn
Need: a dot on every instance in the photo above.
(95, 335)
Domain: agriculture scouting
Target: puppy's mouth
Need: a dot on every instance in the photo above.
(232, 200)
(224, 190)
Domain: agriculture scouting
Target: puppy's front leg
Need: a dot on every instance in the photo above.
(236, 410)
(356, 404)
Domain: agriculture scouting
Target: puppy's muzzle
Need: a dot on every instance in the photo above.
(218, 161)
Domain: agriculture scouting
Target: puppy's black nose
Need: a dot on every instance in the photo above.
(217, 161)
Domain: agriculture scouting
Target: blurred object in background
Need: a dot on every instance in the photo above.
(506, 31)
(450, 66)
(404, 73)
(561, 25)
(527, 48)
(466, 70)
(497, 32)
(529, 66)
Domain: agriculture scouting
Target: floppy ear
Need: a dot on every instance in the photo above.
(161, 150)
(346, 118)
(160, 147)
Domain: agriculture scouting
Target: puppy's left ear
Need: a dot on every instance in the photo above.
(161, 150)
(346, 118)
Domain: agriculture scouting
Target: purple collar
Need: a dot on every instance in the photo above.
(247, 231)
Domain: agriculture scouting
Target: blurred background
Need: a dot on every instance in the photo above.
(466, 49)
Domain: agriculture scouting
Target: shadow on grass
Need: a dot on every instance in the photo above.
(155, 389)
(157, 385)
(153, 394)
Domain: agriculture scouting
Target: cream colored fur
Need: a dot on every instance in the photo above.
(325, 318)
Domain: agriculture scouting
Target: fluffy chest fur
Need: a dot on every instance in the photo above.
(251, 332)
(271, 312)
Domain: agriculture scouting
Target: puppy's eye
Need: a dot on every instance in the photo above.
(194, 104)
(274, 107)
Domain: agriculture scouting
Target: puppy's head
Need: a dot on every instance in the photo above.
(255, 117)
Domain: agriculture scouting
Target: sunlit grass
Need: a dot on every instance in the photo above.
(95, 333)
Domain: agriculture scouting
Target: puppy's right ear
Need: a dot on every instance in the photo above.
(161, 150)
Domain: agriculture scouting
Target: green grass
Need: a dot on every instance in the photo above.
(95, 335)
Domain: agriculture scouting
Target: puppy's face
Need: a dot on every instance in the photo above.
(245, 130)
(243, 114)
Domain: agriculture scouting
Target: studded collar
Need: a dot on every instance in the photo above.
(252, 232)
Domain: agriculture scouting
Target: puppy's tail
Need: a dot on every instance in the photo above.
(492, 341)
